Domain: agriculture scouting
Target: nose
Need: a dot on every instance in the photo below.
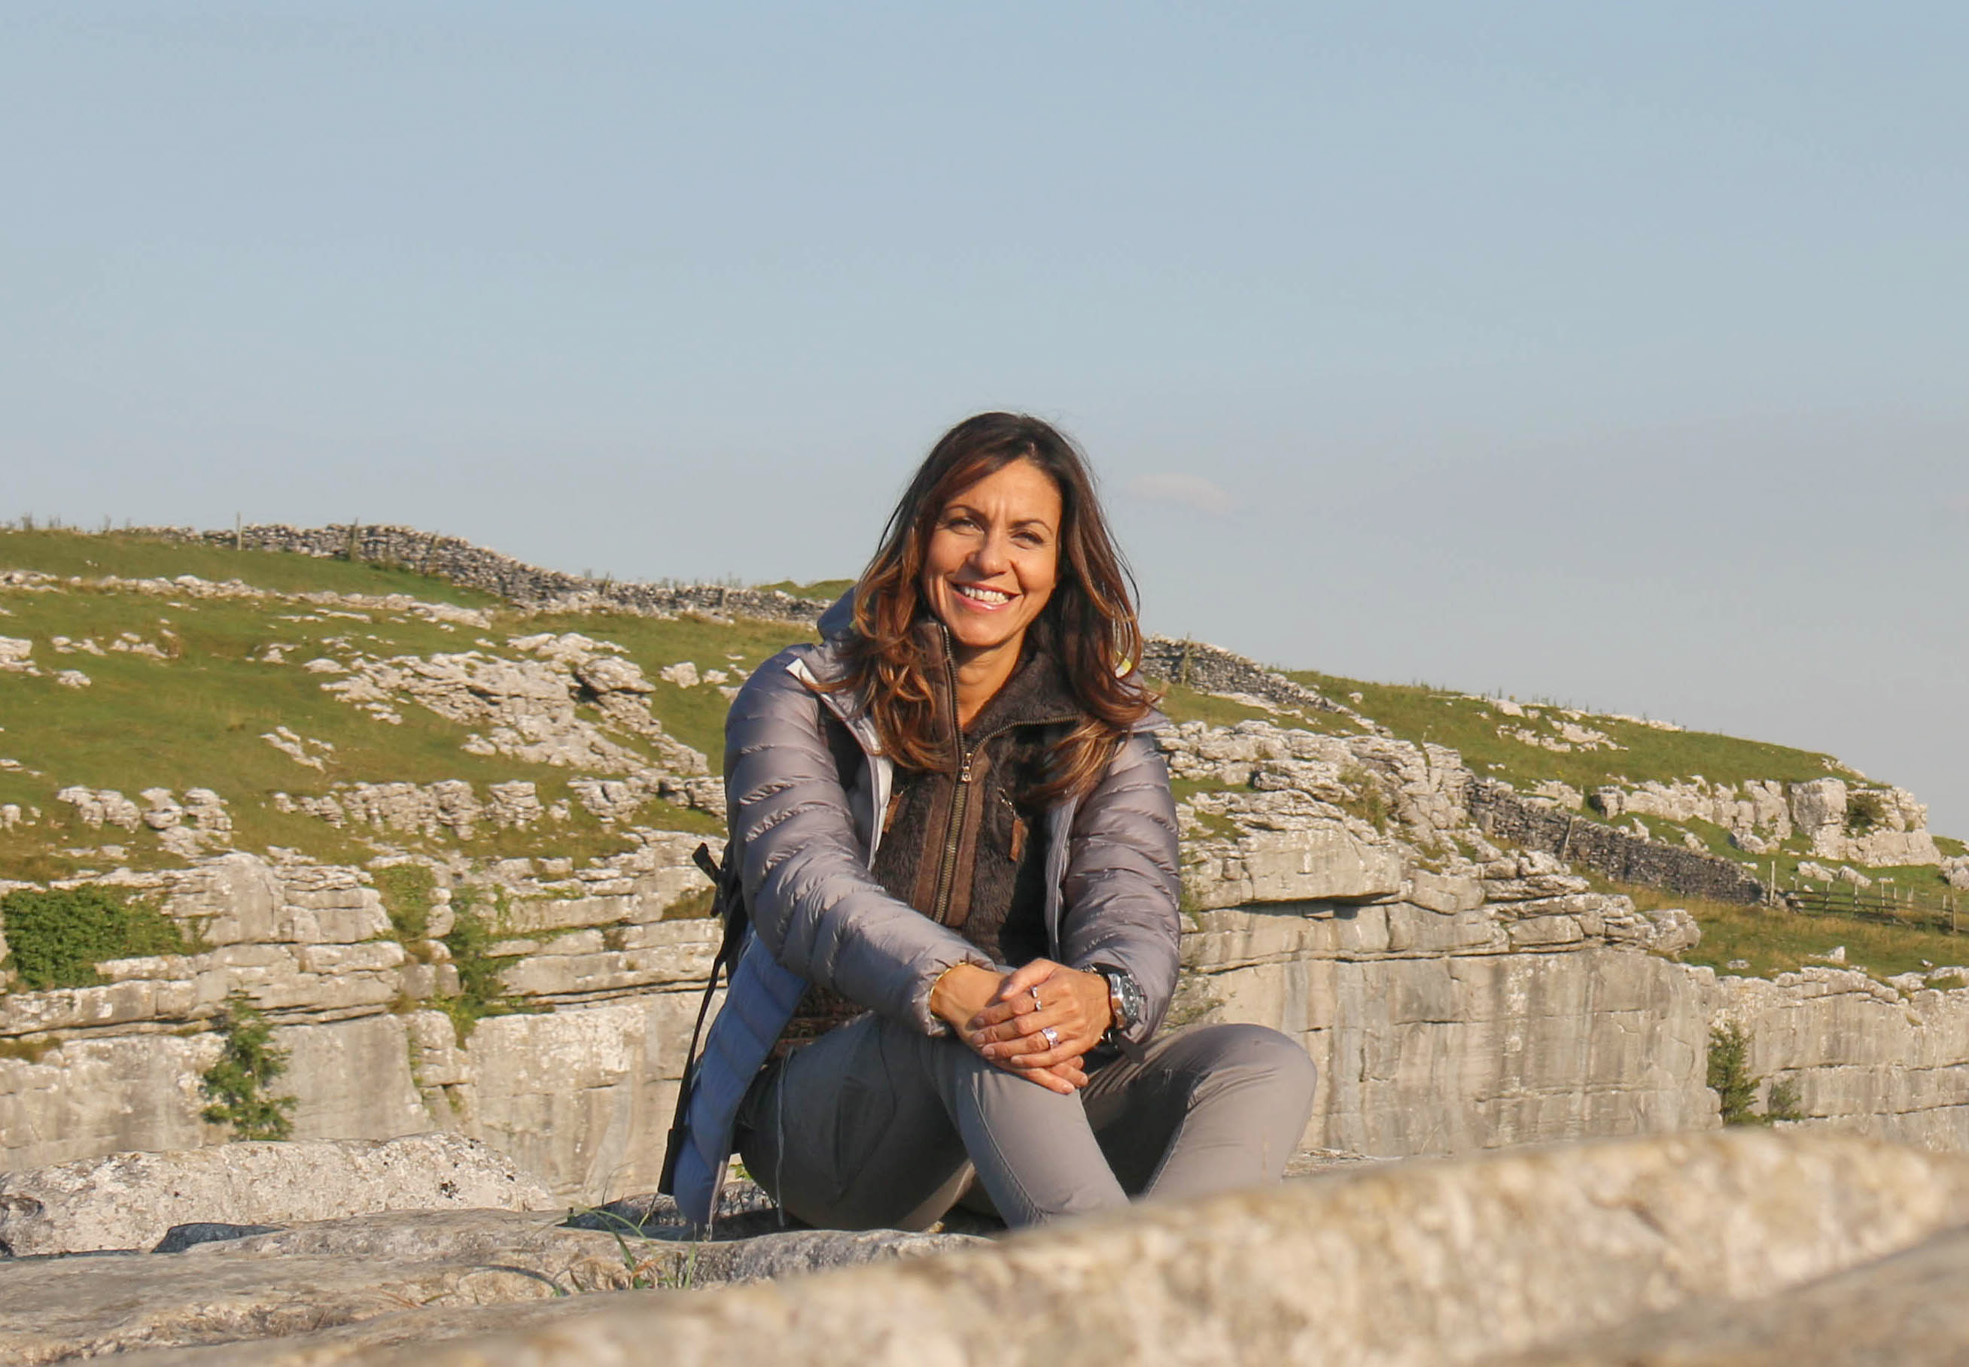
(994, 553)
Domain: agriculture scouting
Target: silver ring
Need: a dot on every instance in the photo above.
(1036, 1003)
(1051, 1036)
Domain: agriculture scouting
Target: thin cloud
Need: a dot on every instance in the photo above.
(1184, 491)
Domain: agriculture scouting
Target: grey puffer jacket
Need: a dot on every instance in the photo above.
(806, 836)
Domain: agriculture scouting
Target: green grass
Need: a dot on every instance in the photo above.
(1182, 704)
(1471, 726)
(1773, 940)
(196, 719)
(408, 893)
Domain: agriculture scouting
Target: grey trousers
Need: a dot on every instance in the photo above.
(877, 1126)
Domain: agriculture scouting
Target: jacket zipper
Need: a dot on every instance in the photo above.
(961, 773)
(960, 798)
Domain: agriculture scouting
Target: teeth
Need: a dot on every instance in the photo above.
(983, 595)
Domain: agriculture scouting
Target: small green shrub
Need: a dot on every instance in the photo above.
(57, 936)
(237, 1086)
(406, 890)
(1365, 798)
(1782, 1103)
(1865, 812)
(480, 993)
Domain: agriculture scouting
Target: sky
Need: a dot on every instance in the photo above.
(1613, 355)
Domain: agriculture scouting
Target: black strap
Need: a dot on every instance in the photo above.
(728, 904)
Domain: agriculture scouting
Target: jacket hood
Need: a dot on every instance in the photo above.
(839, 619)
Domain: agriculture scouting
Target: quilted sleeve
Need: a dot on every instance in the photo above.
(1123, 879)
(813, 901)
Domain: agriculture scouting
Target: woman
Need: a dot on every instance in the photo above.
(959, 855)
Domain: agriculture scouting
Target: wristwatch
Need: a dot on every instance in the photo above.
(1126, 1002)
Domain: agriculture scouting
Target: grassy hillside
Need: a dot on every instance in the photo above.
(201, 680)
(186, 680)
(1617, 749)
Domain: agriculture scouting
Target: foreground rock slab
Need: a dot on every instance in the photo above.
(308, 1278)
(1434, 1262)
(129, 1200)
(1907, 1309)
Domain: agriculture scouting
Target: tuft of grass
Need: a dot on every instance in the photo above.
(1365, 799)
(694, 905)
(56, 937)
(1186, 788)
(31, 1050)
(408, 893)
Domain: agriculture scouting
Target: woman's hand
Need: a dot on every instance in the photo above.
(965, 995)
(962, 992)
(1043, 1015)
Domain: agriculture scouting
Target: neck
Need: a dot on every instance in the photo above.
(980, 674)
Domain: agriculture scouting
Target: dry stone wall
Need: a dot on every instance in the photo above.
(1616, 854)
(490, 572)
(1212, 669)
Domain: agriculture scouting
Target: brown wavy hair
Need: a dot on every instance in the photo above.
(1088, 625)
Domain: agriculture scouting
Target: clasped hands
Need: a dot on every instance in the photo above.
(1004, 1018)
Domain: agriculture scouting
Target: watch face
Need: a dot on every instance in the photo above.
(1124, 997)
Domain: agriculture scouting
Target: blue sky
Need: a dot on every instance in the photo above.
(1610, 354)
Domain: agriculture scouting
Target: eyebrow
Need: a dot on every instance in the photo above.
(952, 509)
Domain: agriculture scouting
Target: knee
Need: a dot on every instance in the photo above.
(1265, 1057)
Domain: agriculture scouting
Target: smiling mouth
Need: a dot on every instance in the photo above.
(984, 597)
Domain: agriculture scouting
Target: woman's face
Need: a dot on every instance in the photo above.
(993, 558)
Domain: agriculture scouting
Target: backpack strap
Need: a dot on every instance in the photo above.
(728, 904)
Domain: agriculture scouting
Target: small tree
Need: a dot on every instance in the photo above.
(1729, 1074)
(237, 1086)
(1736, 1086)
